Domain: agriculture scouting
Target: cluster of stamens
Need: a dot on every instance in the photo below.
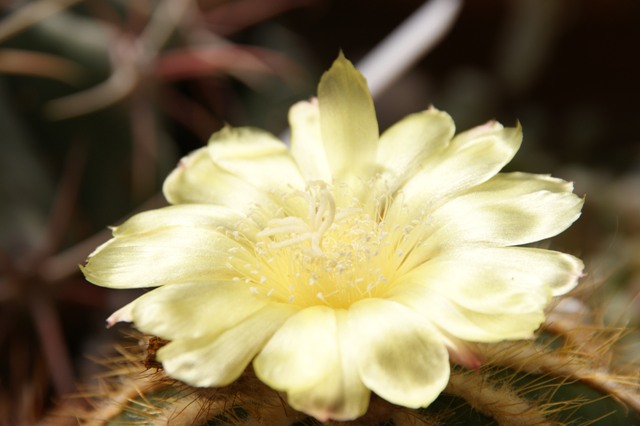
(325, 254)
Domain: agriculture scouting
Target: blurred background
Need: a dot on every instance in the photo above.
(100, 98)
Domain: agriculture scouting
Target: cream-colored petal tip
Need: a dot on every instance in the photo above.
(124, 314)
(575, 271)
(308, 106)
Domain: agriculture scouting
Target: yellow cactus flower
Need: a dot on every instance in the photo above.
(352, 262)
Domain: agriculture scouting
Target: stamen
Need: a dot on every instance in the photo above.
(332, 255)
(291, 241)
(283, 225)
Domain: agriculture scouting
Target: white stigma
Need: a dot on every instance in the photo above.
(320, 216)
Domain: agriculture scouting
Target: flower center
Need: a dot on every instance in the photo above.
(331, 255)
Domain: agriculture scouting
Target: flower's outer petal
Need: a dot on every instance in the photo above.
(198, 180)
(306, 359)
(471, 158)
(123, 314)
(301, 351)
(411, 141)
(165, 255)
(400, 356)
(256, 157)
(511, 209)
(217, 360)
(184, 311)
(199, 216)
(306, 141)
(506, 280)
(516, 183)
(347, 121)
(464, 323)
(445, 292)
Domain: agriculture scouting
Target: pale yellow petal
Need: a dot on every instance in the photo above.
(399, 355)
(198, 216)
(256, 157)
(509, 209)
(464, 323)
(510, 280)
(347, 121)
(306, 141)
(183, 311)
(306, 344)
(412, 141)
(163, 256)
(504, 214)
(217, 360)
(198, 180)
(471, 158)
(516, 183)
(123, 314)
(306, 358)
